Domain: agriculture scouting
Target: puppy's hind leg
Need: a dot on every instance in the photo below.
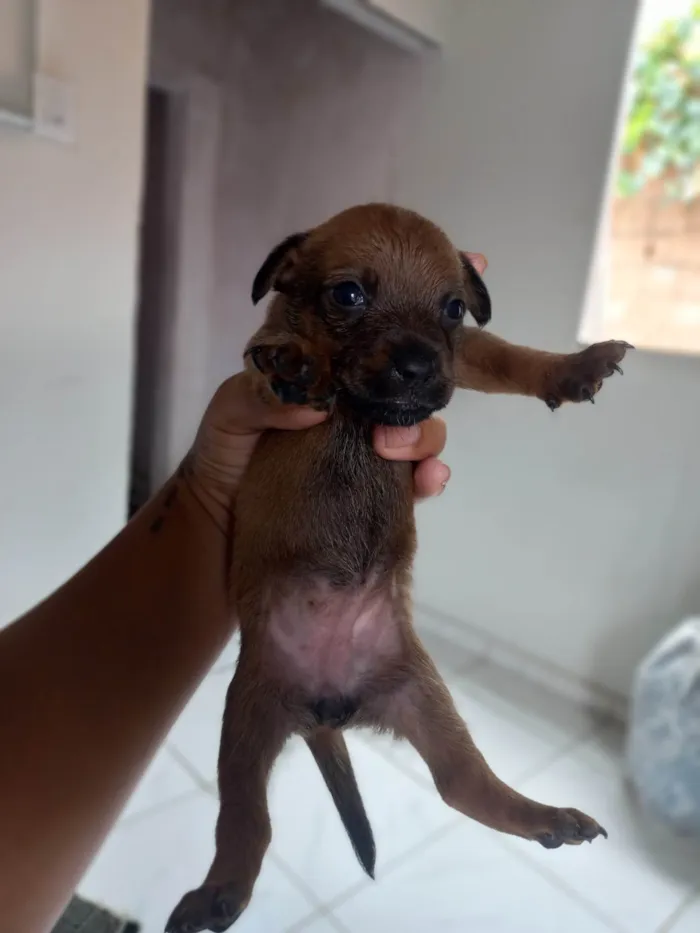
(255, 728)
(421, 710)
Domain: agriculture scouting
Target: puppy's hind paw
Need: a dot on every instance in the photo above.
(571, 828)
(211, 907)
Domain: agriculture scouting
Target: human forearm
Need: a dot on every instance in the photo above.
(90, 681)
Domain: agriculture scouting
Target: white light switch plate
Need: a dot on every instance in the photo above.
(54, 109)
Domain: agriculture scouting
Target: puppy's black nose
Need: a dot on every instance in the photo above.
(414, 362)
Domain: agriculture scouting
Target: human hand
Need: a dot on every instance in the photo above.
(237, 416)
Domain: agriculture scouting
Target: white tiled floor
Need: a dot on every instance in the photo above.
(435, 870)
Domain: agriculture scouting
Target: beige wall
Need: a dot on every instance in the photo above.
(68, 218)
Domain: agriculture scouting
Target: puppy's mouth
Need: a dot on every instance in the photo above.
(400, 412)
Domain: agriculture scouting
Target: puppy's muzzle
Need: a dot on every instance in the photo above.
(407, 386)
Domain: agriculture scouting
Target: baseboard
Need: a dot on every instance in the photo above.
(490, 648)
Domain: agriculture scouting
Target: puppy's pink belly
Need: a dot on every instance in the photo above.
(328, 640)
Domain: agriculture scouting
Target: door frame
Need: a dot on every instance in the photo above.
(189, 279)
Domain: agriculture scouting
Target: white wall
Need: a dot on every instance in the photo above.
(575, 536)
(68, 221)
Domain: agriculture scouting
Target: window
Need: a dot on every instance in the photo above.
(645, 279)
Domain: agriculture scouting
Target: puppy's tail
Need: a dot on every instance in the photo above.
(331, 753)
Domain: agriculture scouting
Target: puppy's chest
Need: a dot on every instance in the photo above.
(358, 504)
(327, 639)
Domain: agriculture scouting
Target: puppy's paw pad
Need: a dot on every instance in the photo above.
(570, 827)
(296, 377)
(289, 392)
(213, 908)
(292, 364)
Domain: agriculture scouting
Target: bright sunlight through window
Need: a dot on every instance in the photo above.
(645, 281)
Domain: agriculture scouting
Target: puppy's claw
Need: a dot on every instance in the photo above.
(207, 908)
(552, 403)
(618, 369)
(570, 827)
(587, 396)
(254, 354)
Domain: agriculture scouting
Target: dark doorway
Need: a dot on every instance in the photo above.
(149, 418)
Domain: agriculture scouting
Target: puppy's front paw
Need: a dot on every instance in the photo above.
(577, 377)
(295, 376)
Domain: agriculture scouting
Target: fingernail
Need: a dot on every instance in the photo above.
(400, 437)
(445, 480)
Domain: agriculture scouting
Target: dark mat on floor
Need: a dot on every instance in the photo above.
(83, 917)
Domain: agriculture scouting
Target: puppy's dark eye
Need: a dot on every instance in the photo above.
(454, 310)
(349, 295)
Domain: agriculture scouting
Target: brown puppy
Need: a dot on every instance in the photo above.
(367, 321)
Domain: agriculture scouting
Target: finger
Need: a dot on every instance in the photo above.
(426, 439)
(238, 407)
(430, 478)
(294, 418)
(479, 261)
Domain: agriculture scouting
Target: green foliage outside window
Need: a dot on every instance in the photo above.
(661, 139)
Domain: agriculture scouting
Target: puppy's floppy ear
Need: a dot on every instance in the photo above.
(280, 260)
(480, 306)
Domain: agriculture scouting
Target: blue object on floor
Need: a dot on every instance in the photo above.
(663, 750)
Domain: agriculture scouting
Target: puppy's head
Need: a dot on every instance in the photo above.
(389, 292)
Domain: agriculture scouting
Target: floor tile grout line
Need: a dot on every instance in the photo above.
(305, 921)
(131, 818)
(187, 766)
(517, 781)
(456, 818)
(350, 892)
(336, 923)
(676, 915)
(325, 909)
(392, 864)
(406, 772)
(556, 881)
(550, 877)
(296, 880)
(321, 914)
(535, 771)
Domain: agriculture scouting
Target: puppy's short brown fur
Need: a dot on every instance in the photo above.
(367, 321)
